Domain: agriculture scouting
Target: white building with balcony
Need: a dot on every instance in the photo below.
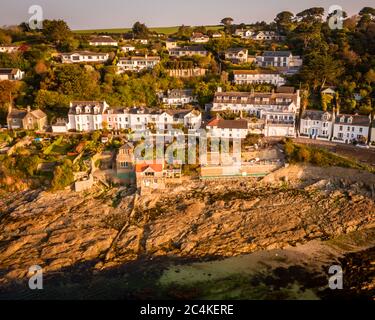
(137, 64)
(258, 76)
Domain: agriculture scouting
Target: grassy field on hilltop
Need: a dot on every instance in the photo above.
(165, 30)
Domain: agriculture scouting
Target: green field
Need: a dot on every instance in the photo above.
(164, 30)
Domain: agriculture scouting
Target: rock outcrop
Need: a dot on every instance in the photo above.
(197, 220)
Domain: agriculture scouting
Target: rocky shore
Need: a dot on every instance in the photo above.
(105, 229)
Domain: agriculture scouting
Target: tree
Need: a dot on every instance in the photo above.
(227, 21)
(75, 81)
(367, 11)
(370, 76)
(56, 31)
(140, 30)
(5, 38)
(311, 16)
(284, 21)
(62, 176)
(320, 69)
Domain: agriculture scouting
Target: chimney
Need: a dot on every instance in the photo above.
(28, 109)
(219, 89)
(10, 107)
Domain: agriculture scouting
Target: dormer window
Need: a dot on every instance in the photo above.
(96, 110)
(78, 110)
(342, 119)
(350, 120)
(87, 109)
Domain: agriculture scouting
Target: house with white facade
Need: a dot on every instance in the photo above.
(198, 37)
(283, 60)
(227, 129)
(128, 48)
(258, 76)
(171, 43)
(11, 74)
(317, 124)
(188, 51)
(137, 64)
(103, 41)
(86, 116)
(267, 36)
(236, 55)
(179, 97)
(244, 33)
(140, 119)
(8, 48)
(216, 35)
(351, 128)
(372, 132)
(84, 57)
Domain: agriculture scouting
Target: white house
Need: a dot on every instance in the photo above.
(179, 97)
(11, 74)
(199, 37)
(258, 76)
(236, 55)
(317, 124)
(84, 56)
(244, 33)
(188, 51)
(8, 48)
(171, 43)
(351, 128)
(284, 60)
(142, 41)
(227, 129)
(267, 36)
(137, 64)
(128, 48)
(372, 134)
(103, 41)
(217, 35)
(86, 115)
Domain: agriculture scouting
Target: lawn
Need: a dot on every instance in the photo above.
(164, 30)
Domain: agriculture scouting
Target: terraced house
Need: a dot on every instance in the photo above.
(317, 124)
(351, 128)
(86, 115)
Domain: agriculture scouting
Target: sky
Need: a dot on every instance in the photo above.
(97, 14)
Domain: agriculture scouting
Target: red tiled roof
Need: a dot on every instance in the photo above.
(143, 167)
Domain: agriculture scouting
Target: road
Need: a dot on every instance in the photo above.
(363, 155)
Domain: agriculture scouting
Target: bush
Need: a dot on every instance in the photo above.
(62, 176)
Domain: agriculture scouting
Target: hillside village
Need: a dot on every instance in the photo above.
(98, 96)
